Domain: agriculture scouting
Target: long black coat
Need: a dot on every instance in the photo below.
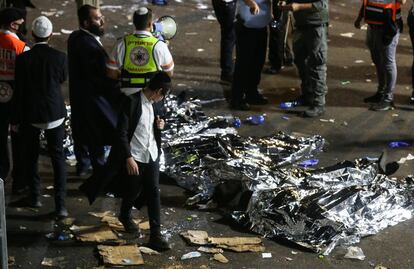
(38, 95)
(110, 178)
(93, 96)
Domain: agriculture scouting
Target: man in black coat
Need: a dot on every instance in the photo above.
(39, 104)
(132, 171)
(90, 90)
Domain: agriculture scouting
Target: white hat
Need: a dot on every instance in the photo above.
(42, 27)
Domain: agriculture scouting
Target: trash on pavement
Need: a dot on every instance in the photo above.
(345, 82)
(210, 250)
(266, 255)
(220, 258)
(309, 163)
(210, 17)
(148, 251)
(286, 105)
(398, 144)
(405, 159)
(327, 120)
(11, 261)
(54, 262)
(191, 255)
(144, 225)
(195, 237)
(350, 34)
(238, 244)
(255, 119)
(94, 234)
(120, 255)
(355, 253)
(101, 214)
(359, 61)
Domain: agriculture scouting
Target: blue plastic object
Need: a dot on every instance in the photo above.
(286, 105)
(159, 2)
(309, 163)
(236, 122)
(398, 144)
(255, 119)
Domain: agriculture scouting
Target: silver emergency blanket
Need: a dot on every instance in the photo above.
(317, 209)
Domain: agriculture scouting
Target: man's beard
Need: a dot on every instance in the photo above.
(96, 30)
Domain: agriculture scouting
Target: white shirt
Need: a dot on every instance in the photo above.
(162, 57)
(143, 145)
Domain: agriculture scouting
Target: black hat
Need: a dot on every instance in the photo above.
(11, 14)
(161, 80)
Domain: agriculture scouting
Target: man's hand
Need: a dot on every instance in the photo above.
(254, 7)
(357, 23)
(160, 123)
(293, 6)
(15, 128)
(132, 167)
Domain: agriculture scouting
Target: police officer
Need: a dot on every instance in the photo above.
(137, 57)
(310, 49)
(384, 26)
(11, 20)
(253, 17)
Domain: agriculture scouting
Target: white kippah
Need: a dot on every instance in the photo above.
(142, 11)
(42, 27)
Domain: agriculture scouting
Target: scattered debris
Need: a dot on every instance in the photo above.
(144, 225)
(11, 261)
(359, 61)
(191, 33)
(210, 250)
(355, 253)
(350, 34)
(255, 120)
(94, 234)
(380, 267)
(294, 252)
(329, 120)
(54, 262)
(66, 32)
(395, 115)
(201, 6)
(285, 118)
(191, 255)
(309, 163)
(210, 17)
(101, 214)
(404, 159)
(398, 144)
(49, 188)
(266, 255)
(345, 82)
(148, 251)
(120, 255)
(22, 227)
(220, 258)
(195, 237)
(200, 50)
(288, 259)
(368, 80)
(46, 195)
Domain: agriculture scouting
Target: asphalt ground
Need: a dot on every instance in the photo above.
(356, 132)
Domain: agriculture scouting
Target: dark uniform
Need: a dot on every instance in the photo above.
(311, 51)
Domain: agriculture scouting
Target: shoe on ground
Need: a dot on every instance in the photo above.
(257, 100)
(129, 226)
(383, 106)
(240, 106)
(61, 212)
(272, 70)
(86, 190)
(314, 111)
(158, 243)
(33, 202)
(226, 78)
(376, 98)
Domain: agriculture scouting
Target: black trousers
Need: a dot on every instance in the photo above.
(251, 46)
(144, 186)
(279, 50)
(17, 148)
(87, 155)
(225, 13)
(54, 139)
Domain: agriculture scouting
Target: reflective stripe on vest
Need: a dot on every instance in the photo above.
(139, 63)
(374, 10)
(10, 47)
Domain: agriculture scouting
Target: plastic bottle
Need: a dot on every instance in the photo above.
(255, 119)
(285, 105)
(159, 2)
(233, 121)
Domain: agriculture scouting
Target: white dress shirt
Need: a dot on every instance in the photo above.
(143, 145)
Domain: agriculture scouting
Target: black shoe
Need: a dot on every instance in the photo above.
(87, 191)
(314, 111)
(33, 202)
(257, 100)
(272, 70)
(240, 106)
(226, 78)
(158, 242)
(382, 106)
(129, 226)
(376, 98)
(61, 212)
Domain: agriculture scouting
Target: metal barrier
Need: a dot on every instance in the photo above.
(3, 232)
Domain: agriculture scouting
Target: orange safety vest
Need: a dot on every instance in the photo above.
(10, 47)
(374, 10)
